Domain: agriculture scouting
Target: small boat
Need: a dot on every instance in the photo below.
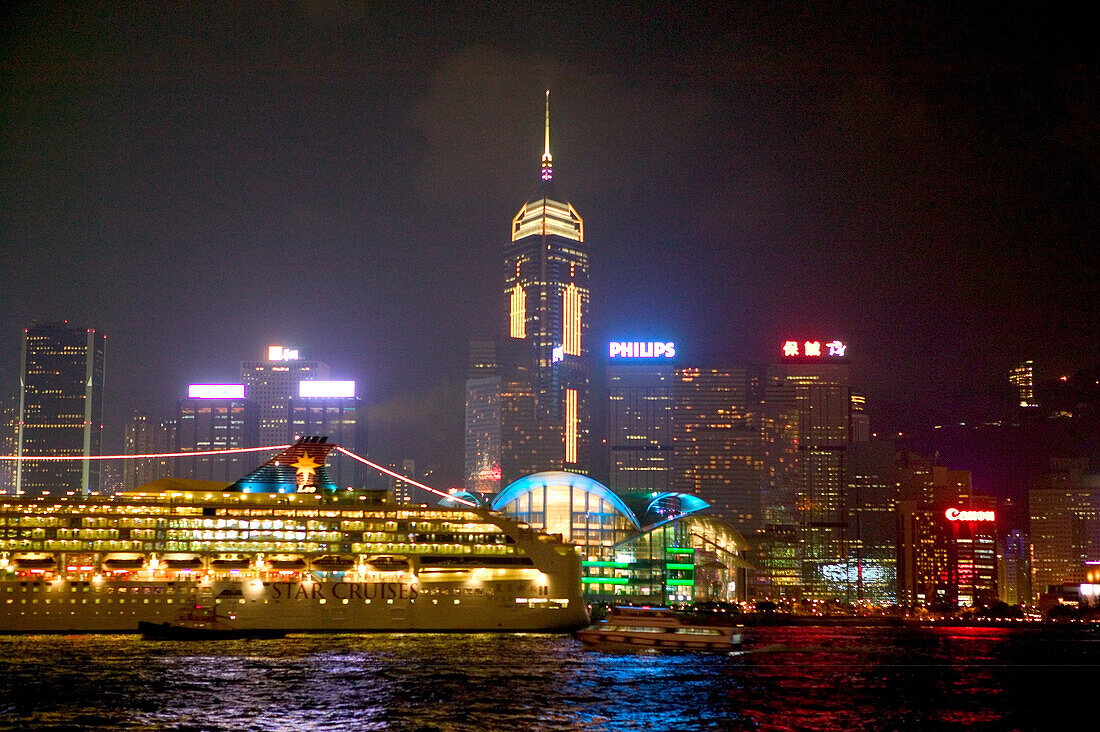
(202, 623)
(656, 628)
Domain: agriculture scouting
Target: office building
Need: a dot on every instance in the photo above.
(717, 451)
(271, 384)
(332, 409)
(216, 417)
(546, 295)
(147, 436)
(1022, 379)
(812, 393)
(639, 421)
(947, 554)
(1065, 525)
(61, 408)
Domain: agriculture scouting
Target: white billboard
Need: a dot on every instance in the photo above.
(215, 391)
(326, 389)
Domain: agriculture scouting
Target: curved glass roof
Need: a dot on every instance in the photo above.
(562, 478)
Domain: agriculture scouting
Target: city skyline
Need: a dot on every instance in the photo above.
(736, 192)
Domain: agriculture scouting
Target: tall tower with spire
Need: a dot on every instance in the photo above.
(546, 291)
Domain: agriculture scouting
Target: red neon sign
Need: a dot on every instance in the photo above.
(954, 514)
(813, 349)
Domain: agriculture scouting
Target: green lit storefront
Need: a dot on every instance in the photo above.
(638, 547)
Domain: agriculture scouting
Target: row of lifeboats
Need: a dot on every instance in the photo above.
(183, 562)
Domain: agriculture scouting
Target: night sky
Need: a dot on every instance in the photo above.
(201, 180)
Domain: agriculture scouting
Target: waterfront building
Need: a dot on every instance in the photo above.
(1014, 568)
(811, 384)
(1065, 525)
(639, 421)
(215, 417)
(644, 546)
(60, 408)
(545, 406)
(947, 554)
(872, 496)
(272, 383)
(717, 451)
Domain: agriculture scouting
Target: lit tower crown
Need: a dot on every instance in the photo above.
(547, 158)
(546, 298)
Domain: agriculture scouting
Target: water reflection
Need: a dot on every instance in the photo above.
(786, 679)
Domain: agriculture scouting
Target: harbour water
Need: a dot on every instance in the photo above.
(785, 678)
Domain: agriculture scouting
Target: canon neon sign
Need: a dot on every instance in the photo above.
(641, 349)
(954, 514)
(813, 349)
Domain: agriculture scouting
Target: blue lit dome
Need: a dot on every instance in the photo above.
(559, 502)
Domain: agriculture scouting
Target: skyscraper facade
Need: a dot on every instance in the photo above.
(145, 435)
(717, 451)
(332, 409)
(61, 408)
(546, 289)
(813, 380)
(271, 383)
(527, 395)
(215, 423)
(639, 425)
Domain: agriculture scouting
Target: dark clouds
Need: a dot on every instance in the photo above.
(200, 180)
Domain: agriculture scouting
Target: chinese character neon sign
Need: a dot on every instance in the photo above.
(954, 514)
(836, 349)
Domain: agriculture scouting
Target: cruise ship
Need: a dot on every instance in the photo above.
(281, 549)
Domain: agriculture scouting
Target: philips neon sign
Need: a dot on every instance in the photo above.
(278, 353)
(215, 391)
(836, 349)
(954, 514)
(641, 349)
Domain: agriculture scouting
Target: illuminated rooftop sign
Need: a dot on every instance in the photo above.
(954, 514)
(278, 353)
(641, 349)
(813, 349)
(326, 389)
(215, 391)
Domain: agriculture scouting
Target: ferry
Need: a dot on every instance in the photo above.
(656, 628)
(281, 550)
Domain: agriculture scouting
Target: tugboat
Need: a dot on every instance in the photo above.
(656, 628)
(202, 623)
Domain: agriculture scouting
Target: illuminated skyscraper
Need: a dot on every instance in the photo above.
(272, 383)
(215, 420)
(333, 409)
(61, 408)
(812, 385)
(639, 425)
(717, 450)
(1023, 379)
(544, 403)
(144, 436)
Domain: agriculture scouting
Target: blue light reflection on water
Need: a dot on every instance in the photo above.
(787, 679)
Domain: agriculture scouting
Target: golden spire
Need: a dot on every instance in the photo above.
(547, 159)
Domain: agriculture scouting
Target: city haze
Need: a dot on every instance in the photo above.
(200, 182)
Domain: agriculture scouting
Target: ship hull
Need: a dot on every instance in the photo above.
(283, 607)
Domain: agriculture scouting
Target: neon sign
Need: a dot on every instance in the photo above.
(954, 514)
(836, 349)
(215, 391)
(278, 353)
(641, 349)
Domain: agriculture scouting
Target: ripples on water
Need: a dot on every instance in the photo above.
(786, 679)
